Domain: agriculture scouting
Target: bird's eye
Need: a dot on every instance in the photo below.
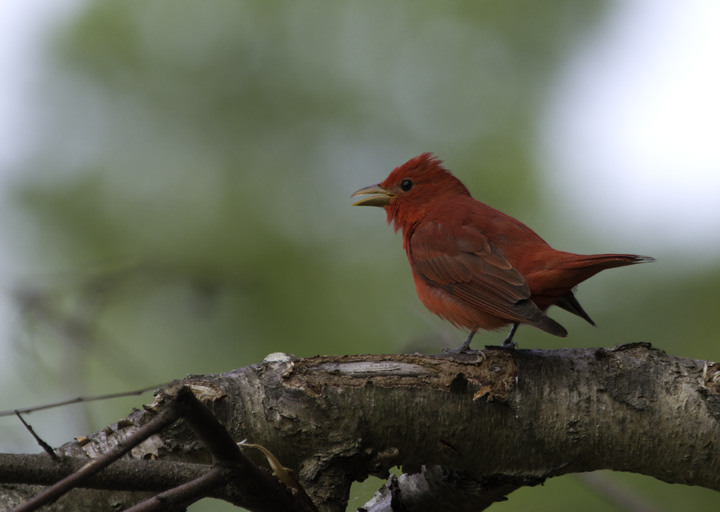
(406, 185)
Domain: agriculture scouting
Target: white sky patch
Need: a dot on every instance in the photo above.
(25, 27)
(632, 136)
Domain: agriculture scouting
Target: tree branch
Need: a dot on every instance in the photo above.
(500, 421)
(122, 475)
(162, 420)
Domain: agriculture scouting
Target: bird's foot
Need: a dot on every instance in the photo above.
(508, 341)
(465, 347)
(466, 351)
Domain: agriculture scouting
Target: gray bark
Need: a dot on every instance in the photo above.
(482, 424)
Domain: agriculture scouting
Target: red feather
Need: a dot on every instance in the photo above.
(476, 266)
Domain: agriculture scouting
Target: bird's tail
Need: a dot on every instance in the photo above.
(576, 268)
(583, 267)
(569, 303)
(549, 325)
(603, 261)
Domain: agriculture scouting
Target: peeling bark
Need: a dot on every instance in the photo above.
(495, 420)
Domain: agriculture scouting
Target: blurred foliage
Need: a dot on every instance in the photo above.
(189, 198)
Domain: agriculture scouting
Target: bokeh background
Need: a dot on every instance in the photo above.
(175, 181)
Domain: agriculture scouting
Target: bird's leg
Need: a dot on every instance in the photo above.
(508, 342)
(466, 345)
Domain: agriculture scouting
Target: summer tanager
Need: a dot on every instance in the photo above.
(473, 265)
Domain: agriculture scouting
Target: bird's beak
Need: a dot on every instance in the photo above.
(382, 196)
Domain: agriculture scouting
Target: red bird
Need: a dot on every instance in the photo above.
(473, 265)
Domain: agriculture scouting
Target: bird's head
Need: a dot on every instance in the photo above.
(411, 189)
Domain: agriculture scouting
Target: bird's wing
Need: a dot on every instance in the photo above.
(465, 264)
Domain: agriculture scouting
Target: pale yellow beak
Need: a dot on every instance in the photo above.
(382, 196)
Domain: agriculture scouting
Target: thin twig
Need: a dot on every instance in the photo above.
(81, 399)
(48, 449)
(260, 491)
(184, 494)
(166, 417)
(136, 475)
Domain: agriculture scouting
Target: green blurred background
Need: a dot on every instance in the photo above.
(182, 205)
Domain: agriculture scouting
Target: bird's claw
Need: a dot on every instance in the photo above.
(466, 351)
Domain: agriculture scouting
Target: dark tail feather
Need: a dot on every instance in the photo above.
(586, 267)
(569, 303)
(553, 327)
(549, 325)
